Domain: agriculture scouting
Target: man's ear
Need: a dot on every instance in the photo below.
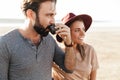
(30, 14)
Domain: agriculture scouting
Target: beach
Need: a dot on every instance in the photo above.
(106, 42)
(107, 45)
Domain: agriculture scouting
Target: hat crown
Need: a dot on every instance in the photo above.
(71, 17)
(68, 17)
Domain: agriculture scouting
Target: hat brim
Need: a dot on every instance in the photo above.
(86, 19)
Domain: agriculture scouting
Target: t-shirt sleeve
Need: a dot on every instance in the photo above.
(94, 60)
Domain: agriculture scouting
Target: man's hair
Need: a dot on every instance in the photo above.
(33, 4)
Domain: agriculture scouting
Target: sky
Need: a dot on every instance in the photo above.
(100, 10)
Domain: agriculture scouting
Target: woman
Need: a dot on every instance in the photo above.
(86, 58)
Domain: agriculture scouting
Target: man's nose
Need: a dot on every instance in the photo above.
(52, 20)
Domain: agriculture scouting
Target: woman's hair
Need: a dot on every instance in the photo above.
(81, 50)
(79, 47)
(33, 4)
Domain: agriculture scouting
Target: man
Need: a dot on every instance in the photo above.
(27, 53)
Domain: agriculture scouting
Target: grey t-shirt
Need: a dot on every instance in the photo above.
(21, 60)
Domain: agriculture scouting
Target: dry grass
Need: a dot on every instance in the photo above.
(107, 46)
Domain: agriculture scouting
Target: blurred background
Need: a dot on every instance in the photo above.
(105, 11)
(104, 33)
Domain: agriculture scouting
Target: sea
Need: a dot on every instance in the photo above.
(95, 26)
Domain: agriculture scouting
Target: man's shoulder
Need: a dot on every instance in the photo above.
(49, 38)
(8, 36)
(10, 33)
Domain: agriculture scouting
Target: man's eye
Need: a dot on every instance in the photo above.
(77, 30)
(51, 15)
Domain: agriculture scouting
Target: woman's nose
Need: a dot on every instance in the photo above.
(82, 33)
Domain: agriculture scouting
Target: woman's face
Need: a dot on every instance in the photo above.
(77, 32)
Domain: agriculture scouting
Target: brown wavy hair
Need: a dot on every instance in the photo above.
(33, 4)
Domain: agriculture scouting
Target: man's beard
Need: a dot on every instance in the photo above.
(41, 30)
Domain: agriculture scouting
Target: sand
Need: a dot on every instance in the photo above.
(107, 46)
(106, 42)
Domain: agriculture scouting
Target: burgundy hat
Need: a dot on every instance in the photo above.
(70, 17)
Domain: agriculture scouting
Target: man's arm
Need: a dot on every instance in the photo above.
(65, 59)
(65, 34)
(70, 59)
